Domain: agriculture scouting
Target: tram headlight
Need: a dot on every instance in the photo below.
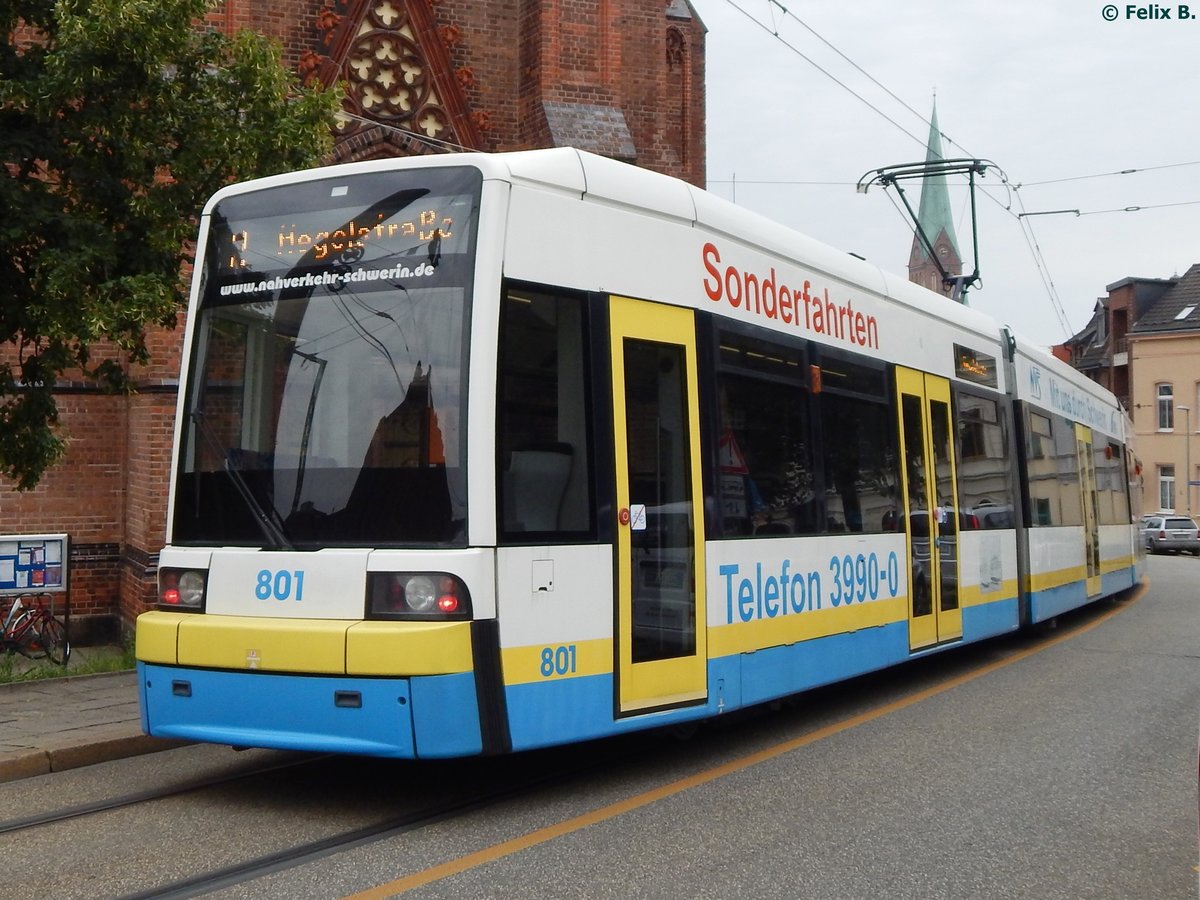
(181, 590)
(422, 596)
(419, 593)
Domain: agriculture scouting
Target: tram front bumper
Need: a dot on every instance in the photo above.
(396, 689)
(408, 718)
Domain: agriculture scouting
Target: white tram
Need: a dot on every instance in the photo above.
(480, 453)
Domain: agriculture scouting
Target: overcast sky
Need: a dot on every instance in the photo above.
(1046, 90)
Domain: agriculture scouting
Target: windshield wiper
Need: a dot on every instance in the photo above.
(267, 521)
(308, 420)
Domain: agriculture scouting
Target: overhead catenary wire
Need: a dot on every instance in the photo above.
(1043, 270)
(1129, 209)
(883, 87)
(1007, 207)
(760, 181)
(796, 50)
(1130, 171)
(1107, 174)
(1027, 232)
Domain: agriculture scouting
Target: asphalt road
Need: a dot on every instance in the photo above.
(1062, 766)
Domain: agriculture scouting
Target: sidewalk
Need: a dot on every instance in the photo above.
(63, 723)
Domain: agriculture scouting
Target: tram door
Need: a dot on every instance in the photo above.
(661, 634)
(1091, 521)
(930, 497)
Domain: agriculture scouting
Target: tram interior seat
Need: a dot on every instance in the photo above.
(534, 486)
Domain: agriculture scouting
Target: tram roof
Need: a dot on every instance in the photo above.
(595, 178)
(613, 182)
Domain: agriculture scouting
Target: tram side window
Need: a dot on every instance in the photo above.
(1122, 511)
(985, 475)
(1054, 493)
(765, 481)
(861, 475)
(1137, 496)
(543, 458)
(1111, 493)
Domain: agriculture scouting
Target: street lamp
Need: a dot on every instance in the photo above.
(1187, 456)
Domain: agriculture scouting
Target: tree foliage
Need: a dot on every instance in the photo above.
(118, 118)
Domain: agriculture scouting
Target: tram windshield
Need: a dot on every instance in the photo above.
(326, 400)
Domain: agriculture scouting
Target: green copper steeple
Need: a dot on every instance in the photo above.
(934, 214)
(936, 222)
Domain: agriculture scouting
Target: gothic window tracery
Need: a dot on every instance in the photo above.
(675, 47)
(387, 76)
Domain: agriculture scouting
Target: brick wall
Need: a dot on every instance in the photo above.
(83, 497)
(636, 62)
(490, 51)
(642, 57)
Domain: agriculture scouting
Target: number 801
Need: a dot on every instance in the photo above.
(279, 584)
(558, 660)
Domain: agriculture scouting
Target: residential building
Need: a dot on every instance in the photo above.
(1100, 349)
(1164, 360)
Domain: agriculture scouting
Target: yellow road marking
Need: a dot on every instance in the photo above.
(550, 832)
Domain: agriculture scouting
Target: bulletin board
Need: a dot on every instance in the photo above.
(33, 563)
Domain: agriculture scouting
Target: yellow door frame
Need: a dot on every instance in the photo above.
(1085, 448)
(938, 625)
(656, 683)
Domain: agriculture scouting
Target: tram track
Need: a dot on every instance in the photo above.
(605, 757)
(134, 798)
(313, 851)
(517, 780)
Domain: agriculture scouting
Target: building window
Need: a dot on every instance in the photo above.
(1166, 488)
(1166, 407)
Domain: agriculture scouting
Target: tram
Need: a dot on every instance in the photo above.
(481, 453)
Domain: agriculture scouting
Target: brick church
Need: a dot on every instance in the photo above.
(622, 78)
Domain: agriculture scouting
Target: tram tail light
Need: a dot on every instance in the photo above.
(182, 590)
(419, 596)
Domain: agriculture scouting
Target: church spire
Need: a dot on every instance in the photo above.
(936, 222)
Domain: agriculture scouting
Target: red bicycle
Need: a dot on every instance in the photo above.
(33, 631)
